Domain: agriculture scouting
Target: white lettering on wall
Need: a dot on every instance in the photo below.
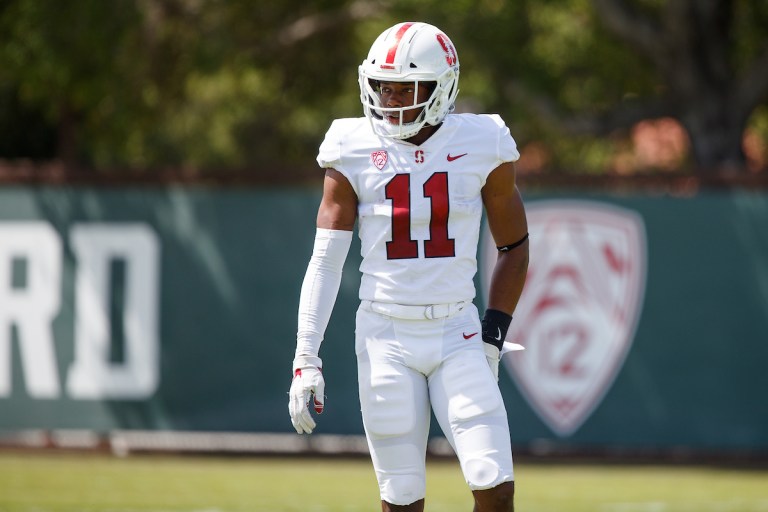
(30, 300)
(92, 375)
(31, 306)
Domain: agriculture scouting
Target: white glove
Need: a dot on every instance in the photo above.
(307, 382)
(493, 356)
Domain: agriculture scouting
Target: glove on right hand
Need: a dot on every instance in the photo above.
(307, 383)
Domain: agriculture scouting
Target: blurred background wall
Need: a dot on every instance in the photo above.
(175, 309)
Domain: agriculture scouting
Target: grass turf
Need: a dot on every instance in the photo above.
(37, 482)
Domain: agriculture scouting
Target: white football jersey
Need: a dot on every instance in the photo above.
(419, 207)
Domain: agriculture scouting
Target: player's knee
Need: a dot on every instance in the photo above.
(482, 473)
(402, 489)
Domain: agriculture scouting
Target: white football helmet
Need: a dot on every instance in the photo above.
(410, 52)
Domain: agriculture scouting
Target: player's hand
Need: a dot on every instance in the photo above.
(493, 355)
(308, 384)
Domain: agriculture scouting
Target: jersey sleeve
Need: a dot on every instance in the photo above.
(329, 155)
(334, 152)
(506, 146)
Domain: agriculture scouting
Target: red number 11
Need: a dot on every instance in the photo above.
(402, 246)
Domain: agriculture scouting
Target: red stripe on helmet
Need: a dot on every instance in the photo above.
(398, 36)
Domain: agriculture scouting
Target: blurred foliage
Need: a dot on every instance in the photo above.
(236, 84)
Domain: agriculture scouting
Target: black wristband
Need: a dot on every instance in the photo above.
(495, 326)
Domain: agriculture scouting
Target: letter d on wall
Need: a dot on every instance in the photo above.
(93, 375)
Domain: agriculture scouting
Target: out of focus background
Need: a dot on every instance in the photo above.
(247, 89)
(158, 191)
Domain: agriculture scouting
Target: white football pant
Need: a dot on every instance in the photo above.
(406, 365)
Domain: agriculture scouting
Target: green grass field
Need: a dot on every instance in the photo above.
(41, 482)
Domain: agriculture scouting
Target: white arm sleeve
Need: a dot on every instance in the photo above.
(318, 293)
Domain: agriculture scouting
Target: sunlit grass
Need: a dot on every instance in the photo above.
(38, 482)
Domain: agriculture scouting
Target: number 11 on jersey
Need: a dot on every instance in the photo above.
(402, 246)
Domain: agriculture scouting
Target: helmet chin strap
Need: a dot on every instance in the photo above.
(400, 131)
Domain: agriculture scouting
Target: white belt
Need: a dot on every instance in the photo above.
(406, 312)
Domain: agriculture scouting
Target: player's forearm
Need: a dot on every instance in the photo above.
(508, 279)
(506, 287)
(319, 291)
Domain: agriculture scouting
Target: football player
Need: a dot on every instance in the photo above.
(416, 178)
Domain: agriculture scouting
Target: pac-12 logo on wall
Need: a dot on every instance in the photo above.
(579, 309)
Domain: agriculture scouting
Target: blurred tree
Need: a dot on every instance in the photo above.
(94, 69)
(25, 130)
(579, 74)
(711, 57)
(177, 82)
(215, 85)
(45, 69)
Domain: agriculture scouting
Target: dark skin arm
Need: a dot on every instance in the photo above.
(338, 207)
(508, 224)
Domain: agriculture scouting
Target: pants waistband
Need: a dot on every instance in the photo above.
(407, 312)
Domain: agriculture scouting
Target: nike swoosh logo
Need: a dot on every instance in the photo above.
(498, 338)
(452, 158)
(467, 336)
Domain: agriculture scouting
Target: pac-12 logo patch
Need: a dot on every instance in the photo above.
(379, 159)
(579, 309)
